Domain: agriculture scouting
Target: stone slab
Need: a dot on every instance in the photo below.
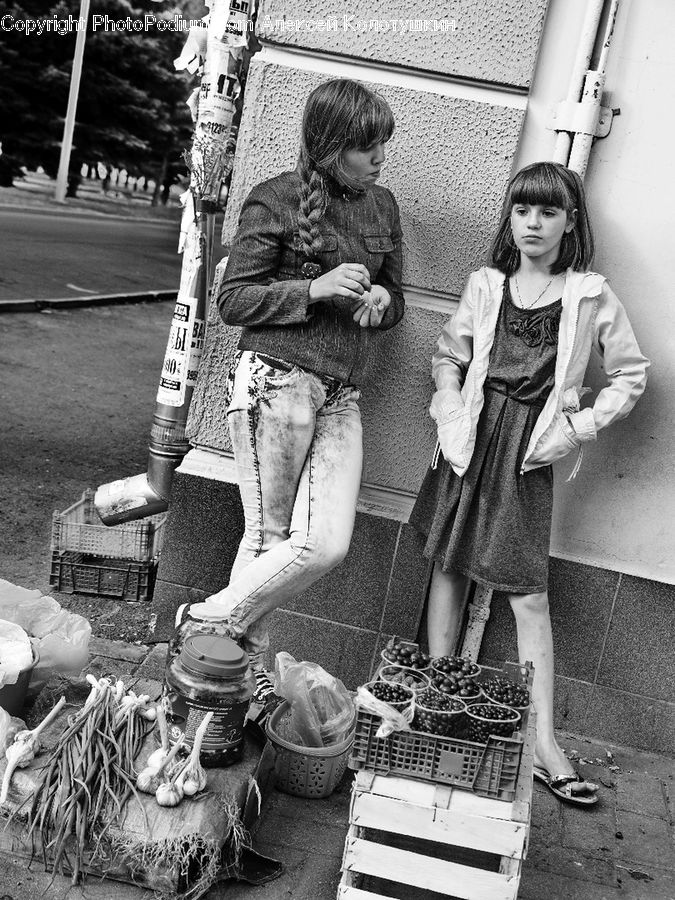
(117, 649)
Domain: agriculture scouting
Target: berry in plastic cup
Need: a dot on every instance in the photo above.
(416, 679)
(487, 719)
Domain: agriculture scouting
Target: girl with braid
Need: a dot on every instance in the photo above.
(313, 275)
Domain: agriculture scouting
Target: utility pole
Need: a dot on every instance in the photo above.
(69, 126)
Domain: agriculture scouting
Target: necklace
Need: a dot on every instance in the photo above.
(534, 302)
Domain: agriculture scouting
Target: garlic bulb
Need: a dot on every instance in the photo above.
(158, 756)
(31, 738)
(26, 744)
(169, 793)
(18, 756)
(193, 776)
(149, 779)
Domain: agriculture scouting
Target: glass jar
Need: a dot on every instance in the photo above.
(210, 674)
(191, 620)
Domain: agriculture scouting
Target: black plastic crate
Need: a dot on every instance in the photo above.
(100, 576)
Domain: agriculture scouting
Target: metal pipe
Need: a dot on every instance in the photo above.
(582, 62)
(594, 85)
(149, 493)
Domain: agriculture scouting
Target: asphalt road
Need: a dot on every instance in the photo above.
(77, 394)
(51, 255)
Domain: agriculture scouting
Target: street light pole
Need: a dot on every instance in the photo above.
(69, 126)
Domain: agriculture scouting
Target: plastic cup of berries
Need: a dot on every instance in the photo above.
(460, 666)
(456, 684)
(415, 679)
(399, 696)
(404, 653)
(487, 719)
(506, 691)
(438, 713)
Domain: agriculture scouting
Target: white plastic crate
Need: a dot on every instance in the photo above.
(79, 529)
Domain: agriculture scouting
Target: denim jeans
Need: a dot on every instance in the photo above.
(298, 451)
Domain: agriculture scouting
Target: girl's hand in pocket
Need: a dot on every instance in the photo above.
(370, 312)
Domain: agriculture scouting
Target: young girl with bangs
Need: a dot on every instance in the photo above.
(313, 275)
(508, 369)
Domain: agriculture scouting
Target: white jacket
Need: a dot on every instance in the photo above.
(592, 316)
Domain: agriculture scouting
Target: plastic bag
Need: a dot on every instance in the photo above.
(62, 637)
(16, 653)
(392, 719)
(322, 709)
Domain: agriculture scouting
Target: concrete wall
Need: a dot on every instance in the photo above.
(618, 514)
(447, 165)
(470, 39)
(460, 104)
(612, 593)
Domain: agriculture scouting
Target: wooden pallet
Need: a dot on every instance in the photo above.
(435, 838)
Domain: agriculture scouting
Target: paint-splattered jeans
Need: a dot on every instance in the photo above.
(298, 451)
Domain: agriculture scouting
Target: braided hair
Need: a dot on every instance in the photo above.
(339, 115)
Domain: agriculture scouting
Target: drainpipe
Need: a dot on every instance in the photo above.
(146, 494)
(579, 121)
(600, 119)
(582, 61)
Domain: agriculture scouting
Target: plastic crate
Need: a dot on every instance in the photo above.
(489, 770)
(118, 579)
(79, 529)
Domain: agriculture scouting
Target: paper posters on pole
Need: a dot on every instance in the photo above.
(187, 332)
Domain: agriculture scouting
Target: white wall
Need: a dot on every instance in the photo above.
(619, 513)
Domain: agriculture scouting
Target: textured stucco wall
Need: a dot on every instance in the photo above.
(494, 42)
(447, 165)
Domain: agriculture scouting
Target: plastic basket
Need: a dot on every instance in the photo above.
(117, 579)
(79, 529)
(489, 770)
(310, 772)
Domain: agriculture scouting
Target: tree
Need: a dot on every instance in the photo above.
(131, 109)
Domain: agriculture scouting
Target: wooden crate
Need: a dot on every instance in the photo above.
(405, 832)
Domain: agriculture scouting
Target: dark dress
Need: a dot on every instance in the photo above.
(494, 524)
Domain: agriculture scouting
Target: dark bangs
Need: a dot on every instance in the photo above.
(546, 184)
(541, 185)
(372, 123)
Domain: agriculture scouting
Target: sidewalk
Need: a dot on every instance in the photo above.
(36, 191)
(623, 849)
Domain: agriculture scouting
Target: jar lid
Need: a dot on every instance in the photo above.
(213, 654)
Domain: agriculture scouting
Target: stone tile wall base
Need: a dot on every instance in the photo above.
(614, 638)
(614, 634)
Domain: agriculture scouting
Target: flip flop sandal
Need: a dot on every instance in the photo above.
(561, 786)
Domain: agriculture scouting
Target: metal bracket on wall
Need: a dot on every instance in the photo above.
(582, 118)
